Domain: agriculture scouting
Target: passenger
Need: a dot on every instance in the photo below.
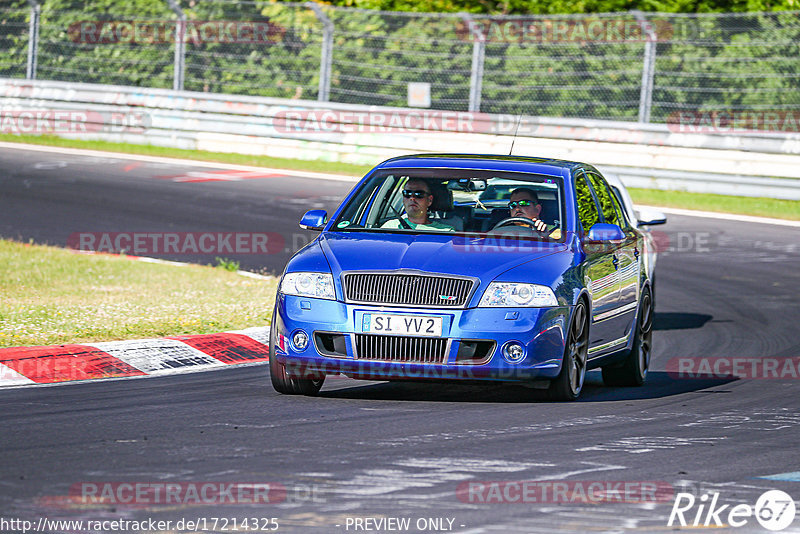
(417, 199)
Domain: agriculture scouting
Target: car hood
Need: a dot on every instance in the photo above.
(447, 254)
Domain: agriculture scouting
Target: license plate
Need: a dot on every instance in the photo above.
(411, 325)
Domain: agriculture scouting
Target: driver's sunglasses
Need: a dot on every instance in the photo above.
(521, 203)
(408, 193)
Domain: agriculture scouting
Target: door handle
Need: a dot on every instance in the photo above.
(615, 261)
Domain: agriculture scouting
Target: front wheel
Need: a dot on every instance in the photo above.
(633, 370)
(568, 384)
(282, 381)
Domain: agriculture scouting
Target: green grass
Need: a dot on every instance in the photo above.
(763, 207)
(54, 296)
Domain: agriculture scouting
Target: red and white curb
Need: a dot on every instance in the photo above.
(26, 366)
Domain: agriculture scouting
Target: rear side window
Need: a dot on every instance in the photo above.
(611, 212)
(587, 210)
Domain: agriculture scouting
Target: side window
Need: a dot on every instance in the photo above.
(587, 210)
(607, 204)
(620, 209)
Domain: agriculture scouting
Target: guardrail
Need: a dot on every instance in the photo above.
(643, 155)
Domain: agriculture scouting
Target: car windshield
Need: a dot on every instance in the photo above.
(457, 201)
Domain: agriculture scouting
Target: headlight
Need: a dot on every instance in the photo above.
(507, 294)
(317, 285)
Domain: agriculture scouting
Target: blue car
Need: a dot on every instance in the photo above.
(468, 268)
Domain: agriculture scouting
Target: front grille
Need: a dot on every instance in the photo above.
(401, 348)
(407, 289)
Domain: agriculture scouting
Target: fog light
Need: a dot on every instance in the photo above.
(300, 340)
(513, 352)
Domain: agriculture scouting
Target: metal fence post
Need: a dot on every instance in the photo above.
(33, 40)
(648, 67)
(326, 57)
(476, 71)
(180, 46)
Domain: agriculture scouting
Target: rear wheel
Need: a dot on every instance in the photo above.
(633, 370)
(282, 381)
(569, 383)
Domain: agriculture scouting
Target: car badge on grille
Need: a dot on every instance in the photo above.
(408, 281)
(448, 298)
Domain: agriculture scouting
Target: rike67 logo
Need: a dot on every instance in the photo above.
(774, 510)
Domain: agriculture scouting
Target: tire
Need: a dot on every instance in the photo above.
(633, 370)
(285, 383)
(568, 384)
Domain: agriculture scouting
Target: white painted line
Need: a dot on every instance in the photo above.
(158, 356)
(157, 260)
(177, 161)
(256, 276)
(726, 216)
(9, 377)
(790, 477)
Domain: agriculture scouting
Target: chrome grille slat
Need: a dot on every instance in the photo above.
(406, 289)
(404, 349)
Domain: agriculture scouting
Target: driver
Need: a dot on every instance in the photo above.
(524, 202)
(417, 199)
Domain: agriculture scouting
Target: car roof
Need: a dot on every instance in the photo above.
(493, 162)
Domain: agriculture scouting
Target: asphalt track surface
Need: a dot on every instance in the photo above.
(392, 450)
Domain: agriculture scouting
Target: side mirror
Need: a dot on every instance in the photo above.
(314, 220)
(650, 217)
(604, 232)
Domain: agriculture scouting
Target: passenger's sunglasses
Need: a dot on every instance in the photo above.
(521, 203)
(408, 193)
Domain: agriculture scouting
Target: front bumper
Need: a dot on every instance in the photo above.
(541, 331)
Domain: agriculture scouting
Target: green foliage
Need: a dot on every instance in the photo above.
(702, 62)
(549, 7)
(285, 66)
(67, 53)
(226, 264)
(14, 18)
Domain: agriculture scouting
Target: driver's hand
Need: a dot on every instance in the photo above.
(539, 225)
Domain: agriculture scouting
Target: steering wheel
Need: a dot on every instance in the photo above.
(514, 220)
